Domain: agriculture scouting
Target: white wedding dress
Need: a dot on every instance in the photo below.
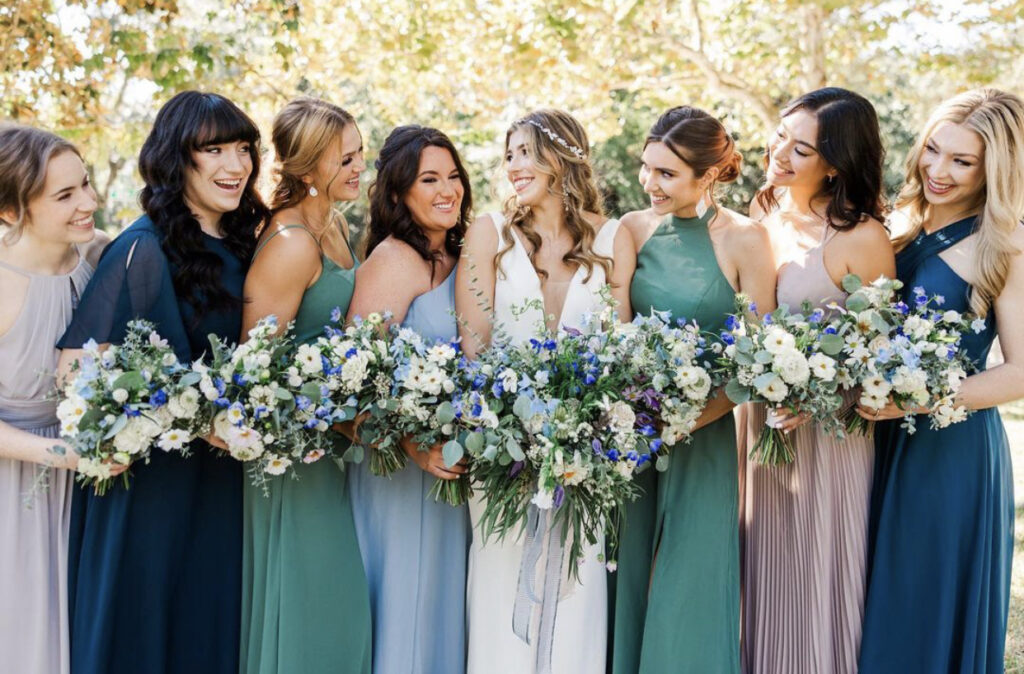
(581, 621)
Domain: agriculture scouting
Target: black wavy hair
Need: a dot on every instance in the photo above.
(397, 167)
(849, 141)
(185, 124)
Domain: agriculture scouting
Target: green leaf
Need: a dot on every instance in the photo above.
(880, 324)
(285, 394)
(130, 381)
(514, 450)
(763, 357)
(764, 379)
(521, 408)
(661, 463)
(852, 283)
(744, 344)
(354, 454)
(475, 442)
(310, 390)
(452, 453)
(857, 302)
(737, 392)
(490, 452)
(116, 427)
(189, 379)
(445, 412)
(831, 345)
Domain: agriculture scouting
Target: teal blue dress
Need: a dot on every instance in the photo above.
(676, 596)
(305, 603)
(154, 570)
(941, 524)
(414, 548)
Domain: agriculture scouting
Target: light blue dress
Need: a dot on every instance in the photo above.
(414, 549)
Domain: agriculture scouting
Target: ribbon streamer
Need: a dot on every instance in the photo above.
(526, 595)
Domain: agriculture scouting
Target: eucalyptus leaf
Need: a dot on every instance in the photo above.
(831, 345)
(852, 283)
(737, 392)
(857, 302)
(445, 412)
(452, 453)
(189, 378)
(130, 380)
(514, 450)
(116, 427)
(521, 408)
(763, 357)
(475, 442)
(661, 464)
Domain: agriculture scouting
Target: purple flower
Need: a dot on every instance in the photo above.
(158, 398)
(656, 444)
(336, 315)
(516, 468)
(728, 338)
(596, 444)
(559, 496)
(731, 323)
(612, 454)
(902, 308)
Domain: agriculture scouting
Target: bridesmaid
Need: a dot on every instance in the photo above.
(414, 549)
(805, 523)
(941, 528)
(551, 246)
(677, 596)
(46, 233)
(305, 606)
(155, 569)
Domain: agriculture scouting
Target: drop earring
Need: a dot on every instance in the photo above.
(313, 191)
(702, 207)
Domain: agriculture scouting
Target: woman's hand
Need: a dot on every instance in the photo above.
(350, 429)
(215, 440)
(432, 461)
(785, 420)
(890, 411)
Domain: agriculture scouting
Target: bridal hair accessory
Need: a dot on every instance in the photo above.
(558, 139)
(313, 191)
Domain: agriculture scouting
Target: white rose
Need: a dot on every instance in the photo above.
(792, 367)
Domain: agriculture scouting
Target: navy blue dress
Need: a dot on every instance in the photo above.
(941, 524)
(155, 569)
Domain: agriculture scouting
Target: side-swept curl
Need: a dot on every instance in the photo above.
(567, 169)
(185, 124)
(397, 167)
(849, 141)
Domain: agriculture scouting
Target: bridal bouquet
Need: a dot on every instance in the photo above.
(909, 354)
(670, 384)
(124, 400)
(266, 401)
(787, 360)
(580, 440)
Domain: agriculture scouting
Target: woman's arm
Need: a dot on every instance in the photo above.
(389, 280)
(278, 278)
(752, 257)
(624, 259)
(24, 446)
(474, 286)
(870, 252)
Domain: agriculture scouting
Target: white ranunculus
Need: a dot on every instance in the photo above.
(776, 340)
(792, 367)
(775, 390)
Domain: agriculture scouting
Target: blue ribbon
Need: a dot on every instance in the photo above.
(526, 595)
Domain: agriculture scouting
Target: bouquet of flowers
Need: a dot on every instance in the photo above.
(267, 401)
(670, 382)
(124, 400)
(430, 387)
(570, 440)
(786, 360)
(908, 354)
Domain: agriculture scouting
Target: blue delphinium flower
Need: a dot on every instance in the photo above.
(158, 398)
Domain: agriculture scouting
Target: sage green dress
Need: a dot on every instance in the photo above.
(305, 600)
(683, 616)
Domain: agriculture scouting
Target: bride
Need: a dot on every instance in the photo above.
(550, 246)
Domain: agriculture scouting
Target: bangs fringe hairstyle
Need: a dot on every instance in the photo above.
(185, 124)
(397, 169)
(303, 131)
(579, 191)
(700, 141)
(849, 141)
(25, 154)
(998, 119)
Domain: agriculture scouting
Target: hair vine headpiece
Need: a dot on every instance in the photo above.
(580, 154)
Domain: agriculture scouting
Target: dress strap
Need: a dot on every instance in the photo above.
(273, 234)
(928, 245)
(16, 270)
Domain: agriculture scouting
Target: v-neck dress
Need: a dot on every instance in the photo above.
(305, 604)
(581, 621)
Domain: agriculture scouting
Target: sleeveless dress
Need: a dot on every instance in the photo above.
(677, 599)
(804, 526)
(34, 521)
(305, 603)
(154, 574)
(942, 515)
(414, 548)
(581, 620)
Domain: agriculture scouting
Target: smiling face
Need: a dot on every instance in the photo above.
(670, 182)
(214, 184)
(528, 180)
(62, 212)
(337, 173)
(794, 160)
(435, 198)
(951, 167)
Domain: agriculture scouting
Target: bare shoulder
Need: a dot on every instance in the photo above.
(482, 232)
(288, 245)
(869, 235)
(94, 248)
(755, 209)
(640, 225)
(743, 231)
(397, 264)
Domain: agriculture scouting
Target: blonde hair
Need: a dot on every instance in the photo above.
(25, 153)
(559, 147)
(998, 119)
(303, 131)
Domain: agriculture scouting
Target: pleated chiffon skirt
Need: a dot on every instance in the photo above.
(805, 528)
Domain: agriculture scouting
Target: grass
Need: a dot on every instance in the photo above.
(1013, 416)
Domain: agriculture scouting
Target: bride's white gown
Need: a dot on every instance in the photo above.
(580, 634)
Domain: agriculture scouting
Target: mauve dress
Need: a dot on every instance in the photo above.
(804, 526)
(34, 521)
